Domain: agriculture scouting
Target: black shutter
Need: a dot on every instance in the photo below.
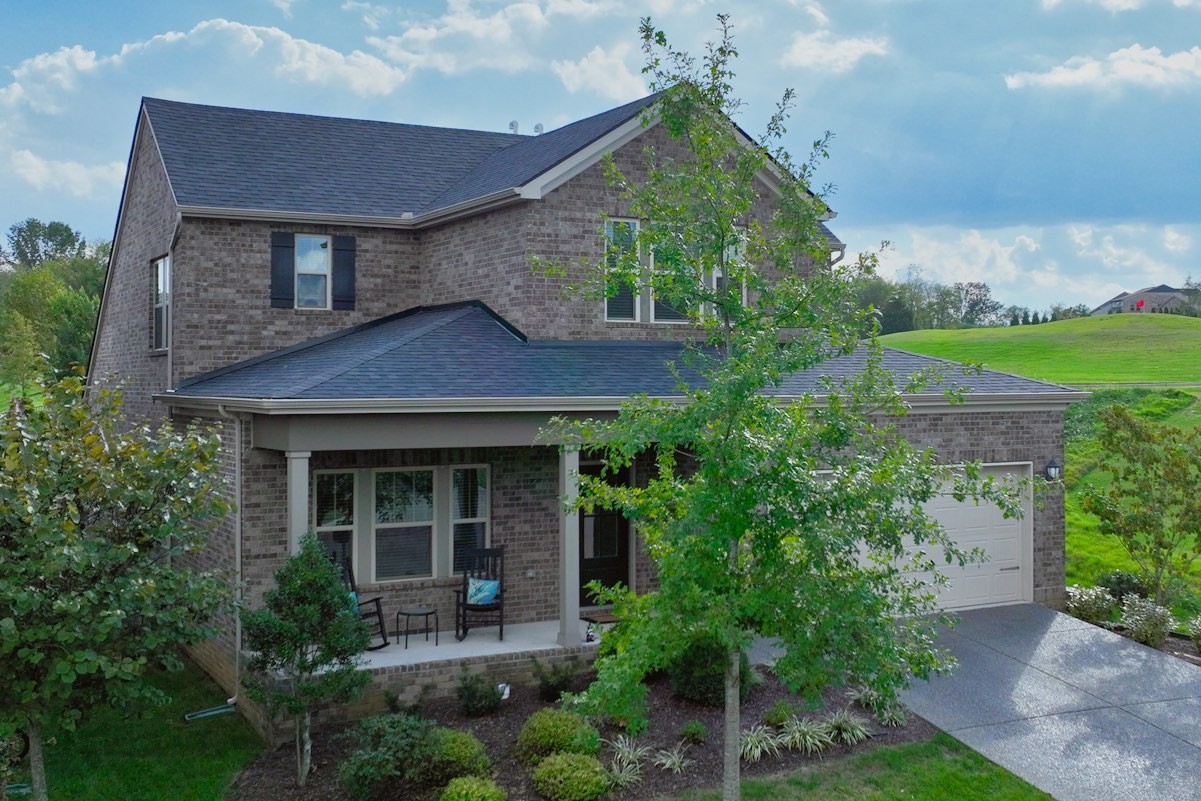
(343, 269)
(283, 270)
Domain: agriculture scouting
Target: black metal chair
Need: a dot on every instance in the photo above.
(481, 565)
(370, 609)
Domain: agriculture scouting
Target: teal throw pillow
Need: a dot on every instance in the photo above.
(481, 592)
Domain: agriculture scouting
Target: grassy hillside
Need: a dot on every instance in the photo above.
(1118, 348)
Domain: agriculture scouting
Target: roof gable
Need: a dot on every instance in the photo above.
(239, 160)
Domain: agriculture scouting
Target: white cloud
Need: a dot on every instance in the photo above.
(371, 15)
(80, 180)
(462, 39)
(40, 81)
(822, 51)
(365, 75)
(971, 256)
(43, 81)
(603, 72)
(1108, 249)
(284, 6)
(1136, 65)
(1110, 5)
(818, 13)
(1175, 241)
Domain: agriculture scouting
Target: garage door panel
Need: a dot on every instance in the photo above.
(999, 580)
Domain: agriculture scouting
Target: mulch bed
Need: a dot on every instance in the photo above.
(272, 776)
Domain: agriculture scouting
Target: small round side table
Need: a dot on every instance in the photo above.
(423, 612)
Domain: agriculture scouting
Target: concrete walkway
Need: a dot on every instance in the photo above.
(1080, 712)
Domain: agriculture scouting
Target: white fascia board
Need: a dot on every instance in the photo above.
(541, 185)
(1008, 402)
(474, 206)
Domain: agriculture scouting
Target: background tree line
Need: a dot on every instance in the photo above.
(913, 302)
(50, 284)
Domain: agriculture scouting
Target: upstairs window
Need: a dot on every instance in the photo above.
(160, 335)
(313, 257)
(311, 271)
(621, 238)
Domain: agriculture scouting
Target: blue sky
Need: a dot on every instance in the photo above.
(1047, 147)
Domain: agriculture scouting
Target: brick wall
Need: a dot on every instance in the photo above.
(123, 345)
(960, 436)
(222, 304)
(524, 519)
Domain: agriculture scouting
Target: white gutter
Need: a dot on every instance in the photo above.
(408, 220)
(1012, 401)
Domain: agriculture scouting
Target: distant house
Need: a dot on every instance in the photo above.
(352, 304)
(1152, 300)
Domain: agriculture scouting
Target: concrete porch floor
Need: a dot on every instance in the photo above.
(520, 638)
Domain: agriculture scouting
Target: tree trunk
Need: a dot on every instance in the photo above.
(304, 747)
(37, 761)
(731, 779)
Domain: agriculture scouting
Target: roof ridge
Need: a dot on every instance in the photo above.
(516, 138)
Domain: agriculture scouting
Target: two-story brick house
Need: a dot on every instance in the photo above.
(352, 304)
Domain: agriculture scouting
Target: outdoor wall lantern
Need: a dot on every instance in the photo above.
(1054, 470)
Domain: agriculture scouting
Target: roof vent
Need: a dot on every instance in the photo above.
(538, 129)
(513, 126)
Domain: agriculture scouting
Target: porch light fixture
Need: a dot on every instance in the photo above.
(1054, 470)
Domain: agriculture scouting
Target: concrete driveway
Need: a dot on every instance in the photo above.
(1080, 712)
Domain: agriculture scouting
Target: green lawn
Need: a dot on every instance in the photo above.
(1118, 348)
(938, 770)
(157, 756)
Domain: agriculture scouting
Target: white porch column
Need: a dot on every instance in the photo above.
(569, 549)
(298, 497)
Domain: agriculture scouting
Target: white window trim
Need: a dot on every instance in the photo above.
(363, 530)
(163, 265)
(328, 272)
(354, 512)
(486, 519)
(636, 226)
(431, 524)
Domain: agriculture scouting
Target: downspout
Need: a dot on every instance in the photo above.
(237, 420)
(171, 300)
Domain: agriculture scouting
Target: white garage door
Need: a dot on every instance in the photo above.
(1006, 576)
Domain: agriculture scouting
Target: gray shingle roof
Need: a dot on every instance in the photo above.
(466, 351)
(272, 161)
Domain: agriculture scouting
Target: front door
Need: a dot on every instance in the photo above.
(604, 543)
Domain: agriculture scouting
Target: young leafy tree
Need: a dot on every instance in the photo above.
(98, 526)
(306, 644)
(1152, 505)
(768, 510)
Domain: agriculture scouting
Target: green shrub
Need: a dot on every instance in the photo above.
(571, 777)
(847, 727)
(553, 731)
(472, 788)
(1194, 631)
(477, 694)
(779, 712)
(694, 732)
(700, 673)
(456, 753)
(391, 749)
(757, 742)
(1146, 621)
(1090, 604)
(805, 735)
(1121, 583)
(554, 680)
